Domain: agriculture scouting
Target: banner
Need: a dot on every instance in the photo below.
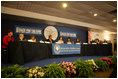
(68, 34)
(28, 30)
(61, 49)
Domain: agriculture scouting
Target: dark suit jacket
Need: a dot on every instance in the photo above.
(50, 41)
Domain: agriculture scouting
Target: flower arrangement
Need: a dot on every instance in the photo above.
(114, 59)
(35, 72)
(107, 60)
(94, 66)
(68, 67)
(101, 64)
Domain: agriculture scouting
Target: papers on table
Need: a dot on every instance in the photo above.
(104, 43)
(47, 42)
(77, 43)
(85, 43)
(41, 41)
(58, 43)
(94, 43)
(31, 41)
(69, 43)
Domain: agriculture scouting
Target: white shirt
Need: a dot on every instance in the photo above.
(60, 41)
(32, 40)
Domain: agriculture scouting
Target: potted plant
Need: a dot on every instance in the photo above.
(94, 66)
(14, 71)
(108, 61)
(114, 59)
(83, 68)
(69, 68)
(54, 71)
(103, 66)
(35, 72)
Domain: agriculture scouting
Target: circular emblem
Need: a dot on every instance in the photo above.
(57, 49)
(50, 30)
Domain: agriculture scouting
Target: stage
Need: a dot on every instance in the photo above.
(44, 62)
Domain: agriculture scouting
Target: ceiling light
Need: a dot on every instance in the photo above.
(106, 31)
(64, 5)
(114, 20)
(95, 14)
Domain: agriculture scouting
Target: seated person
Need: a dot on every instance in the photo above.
(109, 42)
(60, 40)
(7, 38)
(21, 37)
(97, 41)
(32, 39)
(50, 39)
(69, 40)
(105, 41)
(77, 40)
(100, 41)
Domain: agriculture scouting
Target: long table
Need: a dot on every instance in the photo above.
(22, 52)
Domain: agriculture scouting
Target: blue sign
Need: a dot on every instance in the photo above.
(61, 49)
(28, 30)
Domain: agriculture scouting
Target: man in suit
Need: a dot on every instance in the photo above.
(50, 39)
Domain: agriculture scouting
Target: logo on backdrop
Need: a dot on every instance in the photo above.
(57, 49)
(28, 30)
(60, 49)
(50, 30)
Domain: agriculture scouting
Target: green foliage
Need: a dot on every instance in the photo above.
(54, 71)
(83, 68)
(13, 72)
(114, 59)
(101, 64)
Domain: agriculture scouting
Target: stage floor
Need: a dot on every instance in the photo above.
(48, 61)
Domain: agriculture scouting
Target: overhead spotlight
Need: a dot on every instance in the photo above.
(64, 5)
(106, 31)
(95, 14)
(114, 20)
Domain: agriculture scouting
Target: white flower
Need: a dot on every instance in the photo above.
(36, 67)
(29, 70)
(34, 71)
(92, 62)
(35, 75)
(41, 74)
(30, 75)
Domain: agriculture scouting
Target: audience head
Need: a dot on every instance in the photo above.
(32, 37)
(60, 38)
(50, 36)
(68, 40)
(10, 32)
(21, 36)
